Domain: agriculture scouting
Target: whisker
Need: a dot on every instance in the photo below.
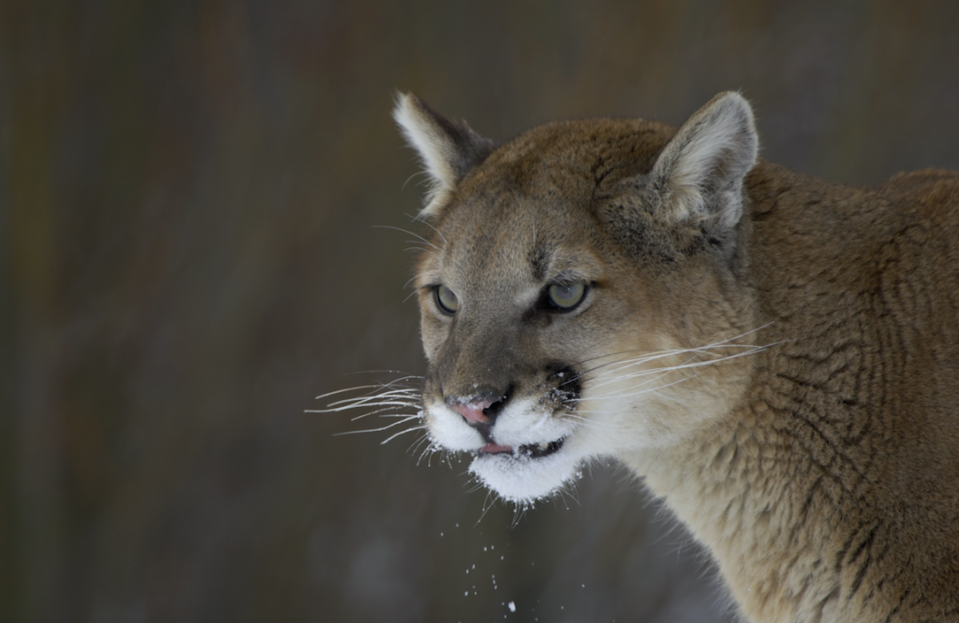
(692, 362)
(423, 174)
(383, 413)
(392, 396)
(416, 444)
(378, 407)
(477, 485)
(488, 504)
(430, 450)
(417, 236)
(377, 430)
(651, 390)
(377, 386)
(438, 232)
(727, 343)
(402, 432)
(591, 424)
(656, 372)
(384, 392)
(667, 353)
(393, 400)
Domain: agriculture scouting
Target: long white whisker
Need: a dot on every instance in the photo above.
(416, 444)
(380, 405)
(385, 394)
(667, 353)
(689, 363)
(727, 343)
(377, 386)
(655, 374)
(402, 432)
(613, 377)
(359, 401)
(377, 430)
(658, 373)
(383, 413)
(657, 388)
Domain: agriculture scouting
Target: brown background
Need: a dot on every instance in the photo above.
(187, 257)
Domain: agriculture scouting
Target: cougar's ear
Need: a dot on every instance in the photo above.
(699, 174)
(448, 149)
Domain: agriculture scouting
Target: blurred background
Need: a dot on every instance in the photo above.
(188, 256)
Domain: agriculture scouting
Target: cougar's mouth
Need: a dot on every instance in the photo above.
(532, 451)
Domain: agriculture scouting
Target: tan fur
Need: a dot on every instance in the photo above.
(777, 356)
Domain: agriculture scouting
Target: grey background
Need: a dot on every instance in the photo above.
(187, 257)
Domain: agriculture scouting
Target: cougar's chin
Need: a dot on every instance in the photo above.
(526, 474)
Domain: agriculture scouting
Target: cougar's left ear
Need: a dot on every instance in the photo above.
(699, 174)
(449, 149)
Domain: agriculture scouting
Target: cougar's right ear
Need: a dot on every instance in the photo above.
(449, 149)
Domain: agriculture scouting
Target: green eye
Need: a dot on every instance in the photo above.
(566, 296)
(445, 299)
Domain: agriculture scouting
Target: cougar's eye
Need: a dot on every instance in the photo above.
(445, 299)
(566, 296)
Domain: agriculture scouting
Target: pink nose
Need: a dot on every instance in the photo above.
(472, 412)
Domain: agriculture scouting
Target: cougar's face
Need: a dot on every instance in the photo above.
(524, 328)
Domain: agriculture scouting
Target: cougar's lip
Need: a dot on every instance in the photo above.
(495, 448)
(533, 450)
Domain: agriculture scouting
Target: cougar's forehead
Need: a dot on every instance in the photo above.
(513, 216)
(510, 241)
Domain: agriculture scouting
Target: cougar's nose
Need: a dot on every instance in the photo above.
(476, 408)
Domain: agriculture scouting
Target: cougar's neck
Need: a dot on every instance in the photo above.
(772, 516)
(769, 488)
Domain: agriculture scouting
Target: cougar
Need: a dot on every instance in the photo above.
(777, 357)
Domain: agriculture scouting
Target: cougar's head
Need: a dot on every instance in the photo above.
(579, 295)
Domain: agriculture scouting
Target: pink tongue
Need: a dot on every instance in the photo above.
(495, 448)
